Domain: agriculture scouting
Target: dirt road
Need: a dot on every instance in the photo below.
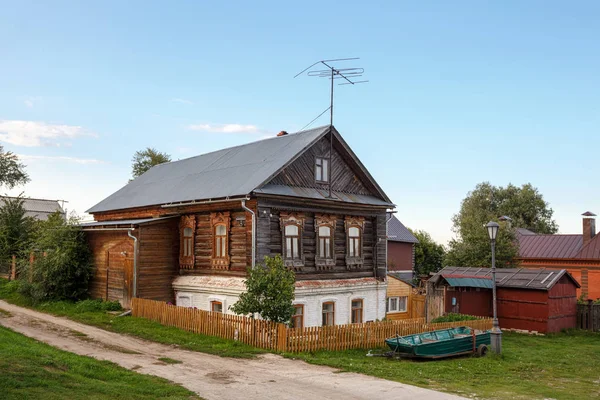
(212, 377)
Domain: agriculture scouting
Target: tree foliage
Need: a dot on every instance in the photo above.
(269, 291)
(145, 159)
(16, 229)
(12, 171)
(524, 205)
(63, 264)
(429, 255)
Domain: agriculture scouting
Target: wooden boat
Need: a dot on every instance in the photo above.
(441, 343)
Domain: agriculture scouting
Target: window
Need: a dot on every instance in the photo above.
(325, 242)
(354, 242)
(187, 227)
(291, 239)
(328, 313)
(321, 169)
(220, 241)
(396, 304)
(357, 311)
(216, 306)
(298, 317)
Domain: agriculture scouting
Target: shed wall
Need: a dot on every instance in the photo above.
(562, 302)
(469, 301)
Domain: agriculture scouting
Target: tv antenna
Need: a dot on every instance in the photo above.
(348, 75)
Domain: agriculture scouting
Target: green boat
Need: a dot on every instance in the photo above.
(441, 343)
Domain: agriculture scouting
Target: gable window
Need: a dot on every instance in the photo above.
(354, 242)
(322, 169)
(357, 311)
(325, 251)
(216, 306)
(396, 304)
(298, 317)
(328, 313)
(187, 228)
(220, 223)
(291, 226)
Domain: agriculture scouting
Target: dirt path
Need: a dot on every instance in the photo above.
(211, 377)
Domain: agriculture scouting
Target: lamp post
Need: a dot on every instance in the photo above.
(496, 334)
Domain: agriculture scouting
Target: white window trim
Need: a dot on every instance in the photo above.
(398, 302)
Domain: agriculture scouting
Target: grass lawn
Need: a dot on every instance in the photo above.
(559, 366)
(139, 327)
(33, 370)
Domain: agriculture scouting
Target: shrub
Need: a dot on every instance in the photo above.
(453, 317)
(97, 305)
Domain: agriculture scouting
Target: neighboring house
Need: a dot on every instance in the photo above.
(402, 300)
(401, 246)
(578, 253)
(39, 209)
(186, 231)
(531, 299)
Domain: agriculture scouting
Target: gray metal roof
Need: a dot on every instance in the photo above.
(123, 222)
(231, 172)
(520, 278)
(404, 276)
(321, 194)
(397, 232)
(39, 209)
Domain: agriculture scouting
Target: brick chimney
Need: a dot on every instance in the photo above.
(589, 226)
(282, 133)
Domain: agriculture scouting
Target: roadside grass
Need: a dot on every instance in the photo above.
(33, 370)
(169, 360)
(557, 366)
(96, 313)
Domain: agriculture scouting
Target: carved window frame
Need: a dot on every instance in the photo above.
(186, 261)
(295, 219)
(354, 261)
(220, 219)
(329, 221)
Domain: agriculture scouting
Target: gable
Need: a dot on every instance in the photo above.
(301, 173)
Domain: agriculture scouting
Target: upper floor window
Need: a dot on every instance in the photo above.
(354, 242)
(291, 226)
(292, 241)
(220, 239)
(354, 249)
(322, 169)
(325, 243)
(187, 227)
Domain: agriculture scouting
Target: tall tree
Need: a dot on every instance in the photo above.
(145, 159)
(12, 171)
(16, 228)
(526, 208)
(429, 255)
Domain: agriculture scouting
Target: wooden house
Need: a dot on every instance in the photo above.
(530, 299)
(186, 231)
(402, 299)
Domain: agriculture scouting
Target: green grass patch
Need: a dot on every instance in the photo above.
(97, 313)
(33, 370)
(453, 317)
(168, 360)
(559, 366)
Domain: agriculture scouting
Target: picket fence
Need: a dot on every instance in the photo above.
(279, 337)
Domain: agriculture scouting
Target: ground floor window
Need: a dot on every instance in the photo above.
(216, 306)
(298, 317)
(329, 313)
(357, 311)
(397, 304)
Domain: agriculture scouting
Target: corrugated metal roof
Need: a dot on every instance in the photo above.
(591, 251)
(522, 278)
(39, 209)
(124, 222)
(549, 246)
(397, 232)
(485, 283)
(321, 194)
(235, 171)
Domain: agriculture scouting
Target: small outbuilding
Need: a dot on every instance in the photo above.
(530, 299)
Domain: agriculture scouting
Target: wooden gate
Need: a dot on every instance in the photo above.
(417, 306)
(435, 301)
(119, 273)
(588, 316)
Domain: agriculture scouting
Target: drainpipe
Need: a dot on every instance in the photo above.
(253, 232)
(135, 251)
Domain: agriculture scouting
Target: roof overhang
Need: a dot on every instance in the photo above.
(125, 224)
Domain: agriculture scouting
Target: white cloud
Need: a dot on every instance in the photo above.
(36, 134)
(181, 101)
(32, 100)
(60, 158)
(225, 128)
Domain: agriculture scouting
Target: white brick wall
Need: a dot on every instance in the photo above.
(189, 294)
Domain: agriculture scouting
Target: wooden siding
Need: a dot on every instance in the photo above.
(301, 172)
(398, 288)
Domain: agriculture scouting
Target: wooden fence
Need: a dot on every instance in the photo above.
(278, 337)
(588, 316)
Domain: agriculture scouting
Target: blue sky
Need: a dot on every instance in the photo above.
(459, 93)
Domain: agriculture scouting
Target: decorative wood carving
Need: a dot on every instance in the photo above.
(292, 218)
(186, 261)
(354, 262)
(351, 220)
(286, 218)
(325, 264)
(220, 218)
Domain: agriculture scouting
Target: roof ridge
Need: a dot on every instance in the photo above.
(28, 198)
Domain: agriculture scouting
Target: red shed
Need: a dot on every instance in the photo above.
(532, 299)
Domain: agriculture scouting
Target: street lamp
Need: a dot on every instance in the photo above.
(496, 334)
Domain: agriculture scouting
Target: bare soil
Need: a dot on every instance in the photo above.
(211, 377)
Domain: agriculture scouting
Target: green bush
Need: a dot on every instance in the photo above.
(97, 305)
(453, 317)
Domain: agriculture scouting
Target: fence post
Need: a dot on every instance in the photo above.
(591, 326)
(13, 268)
